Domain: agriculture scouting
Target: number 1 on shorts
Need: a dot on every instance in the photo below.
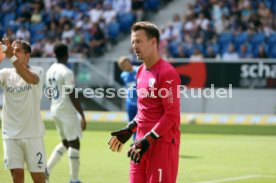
(160, 174)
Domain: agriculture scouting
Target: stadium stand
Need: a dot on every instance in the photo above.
(88, 24)
(214, 26)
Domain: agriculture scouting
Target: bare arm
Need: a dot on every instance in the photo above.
(78, 107)
(25, 73)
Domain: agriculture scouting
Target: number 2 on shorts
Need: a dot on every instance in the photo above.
(39, 154)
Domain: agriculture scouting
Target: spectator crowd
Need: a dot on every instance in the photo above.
(227, 29)
(86, 26)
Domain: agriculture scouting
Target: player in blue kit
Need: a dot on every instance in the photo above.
(128, 76)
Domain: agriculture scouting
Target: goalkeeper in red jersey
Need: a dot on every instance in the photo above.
(155, 152)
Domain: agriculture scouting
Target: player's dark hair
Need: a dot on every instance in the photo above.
(61, 51)
(150, 29)
(25, 45)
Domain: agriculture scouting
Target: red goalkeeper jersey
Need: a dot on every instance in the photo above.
(158, 101)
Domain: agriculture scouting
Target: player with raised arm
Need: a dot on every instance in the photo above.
(64, 109)
(155, 153)
(22, 127)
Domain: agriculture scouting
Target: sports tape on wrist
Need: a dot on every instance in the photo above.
(13, 59)
(3, 47)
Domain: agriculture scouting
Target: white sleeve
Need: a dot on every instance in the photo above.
(69, 80)
(3, 75)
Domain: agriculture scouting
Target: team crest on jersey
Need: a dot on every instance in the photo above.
(151, 86)
(151, 82)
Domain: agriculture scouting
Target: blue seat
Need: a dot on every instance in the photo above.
(270, 47)
(25, 24)
(198, 46)
(224, 40)
(268, 3)
(272, 53)
(37, 27)
(173, 48)
(271, 40)
(70, 14)
(188, 51)
(113, 31)
(225, 37)
(46, 17)
(215, 48)
(14, 27)
(152, 5)
(240, 39)
(83, 6)
(21, 7)
(2, 31)
(273, 7)
(87, 36)
(6, 18)
(256, 49)
(37, 37)
(125, 21)
(257, 39)
(249, 49)
(224, 47)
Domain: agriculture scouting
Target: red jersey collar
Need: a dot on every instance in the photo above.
(153, 66)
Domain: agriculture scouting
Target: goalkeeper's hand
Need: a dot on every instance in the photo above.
(120, 137)
(138, 148)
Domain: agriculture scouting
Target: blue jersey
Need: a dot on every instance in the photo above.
(129, 79)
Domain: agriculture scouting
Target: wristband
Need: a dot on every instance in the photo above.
(132, 126)
(13, 59)
(3, 47)
(154, 134)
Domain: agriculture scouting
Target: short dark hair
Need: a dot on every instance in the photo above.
(61, 51)
(150, 29)
(25, 45)
(124, 58)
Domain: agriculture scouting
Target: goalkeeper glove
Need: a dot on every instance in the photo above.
(138, 148)
(120, 137)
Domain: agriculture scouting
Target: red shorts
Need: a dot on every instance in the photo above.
(159, 164)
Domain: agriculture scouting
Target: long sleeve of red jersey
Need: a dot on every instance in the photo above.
(169, 83)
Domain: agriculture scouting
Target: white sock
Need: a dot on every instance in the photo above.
(74, 163)
(57, 153)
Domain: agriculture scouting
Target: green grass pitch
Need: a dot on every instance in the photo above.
(209, 153)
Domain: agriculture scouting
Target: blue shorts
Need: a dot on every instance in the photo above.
(131, 111)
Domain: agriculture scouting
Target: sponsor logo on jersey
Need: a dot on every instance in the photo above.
(18, 89)
(169, 81)
(170, 97)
